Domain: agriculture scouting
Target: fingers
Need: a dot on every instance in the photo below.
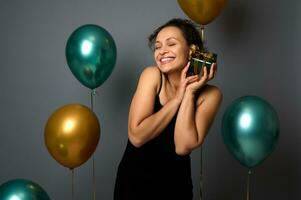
(191, 79)
(205, 73)
(184, 71)
(208, 75)
(213, 70)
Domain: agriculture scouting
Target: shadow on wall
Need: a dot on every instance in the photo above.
(237, 22)
(124, 88)
(277, 178)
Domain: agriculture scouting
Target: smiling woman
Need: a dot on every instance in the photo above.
(169, 117)
(171, 51)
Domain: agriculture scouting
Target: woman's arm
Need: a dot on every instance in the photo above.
(196, 113)
(195, 119)
(144, 124)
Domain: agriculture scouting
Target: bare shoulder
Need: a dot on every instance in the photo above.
(212, 90)
(211, 93)
(150, 71)
(150, 76)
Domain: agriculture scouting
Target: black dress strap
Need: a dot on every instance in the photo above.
(160, 83)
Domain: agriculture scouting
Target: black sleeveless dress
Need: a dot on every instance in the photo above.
(154, 171)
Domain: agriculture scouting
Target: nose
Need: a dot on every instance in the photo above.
(163, 50)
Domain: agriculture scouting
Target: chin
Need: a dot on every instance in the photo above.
(166, 69)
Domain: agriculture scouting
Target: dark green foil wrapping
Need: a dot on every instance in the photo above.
(198, 61)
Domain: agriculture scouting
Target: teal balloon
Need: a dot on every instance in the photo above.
(91, 55)
(21, 189)
(250, 130)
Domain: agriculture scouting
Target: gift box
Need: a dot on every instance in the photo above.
(200, 59)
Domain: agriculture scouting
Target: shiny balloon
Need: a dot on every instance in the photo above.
(202, 11)
(21, 189)
(72, 133)
(250, 130)
(91, 55)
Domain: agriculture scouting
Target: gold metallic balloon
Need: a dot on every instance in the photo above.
(202, 11)
(71, 134)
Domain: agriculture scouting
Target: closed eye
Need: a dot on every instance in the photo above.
(172, 44)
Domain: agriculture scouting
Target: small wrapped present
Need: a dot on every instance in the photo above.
(200, 59)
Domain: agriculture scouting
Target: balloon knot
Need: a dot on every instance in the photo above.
(94, 92)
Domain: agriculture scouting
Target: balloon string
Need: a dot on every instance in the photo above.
(91, 99)
(248, 184)
(72, 183)
(201, 175)
(93, 92)
(94, 184)
(202, 33)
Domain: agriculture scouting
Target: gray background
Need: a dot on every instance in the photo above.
(258, 46)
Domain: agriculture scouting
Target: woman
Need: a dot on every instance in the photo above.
(169, 116)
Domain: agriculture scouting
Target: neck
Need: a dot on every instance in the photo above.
(173, 80)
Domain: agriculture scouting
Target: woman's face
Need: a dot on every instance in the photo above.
(171, 50)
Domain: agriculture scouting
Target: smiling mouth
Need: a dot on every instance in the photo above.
(166, 60)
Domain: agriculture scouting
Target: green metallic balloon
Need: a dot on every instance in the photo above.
(91, 55)
(250, 130)
(21, 189)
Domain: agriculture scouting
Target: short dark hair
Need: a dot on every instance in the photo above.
(188, 29)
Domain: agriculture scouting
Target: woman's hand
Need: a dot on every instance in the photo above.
(184, 82)
(195, 85)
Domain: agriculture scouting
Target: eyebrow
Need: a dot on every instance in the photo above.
(170, 38)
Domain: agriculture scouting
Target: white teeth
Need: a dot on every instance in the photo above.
(166, 59)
